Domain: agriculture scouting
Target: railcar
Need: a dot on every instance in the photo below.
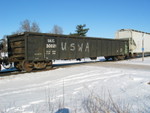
(138, 41)
(30, 50)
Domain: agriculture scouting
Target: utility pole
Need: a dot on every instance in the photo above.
(143, 47)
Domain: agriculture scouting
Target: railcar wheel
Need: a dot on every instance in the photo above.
(39, 65)
(18, 65)
(106, 58)
(7, 65)
(121, 57)
(27, 66)
(93, 58)
(115, 58)
(49, 64)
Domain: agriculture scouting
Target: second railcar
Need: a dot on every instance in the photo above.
(138, 41)
(37, 50)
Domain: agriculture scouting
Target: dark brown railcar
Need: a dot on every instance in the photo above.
(37, 50)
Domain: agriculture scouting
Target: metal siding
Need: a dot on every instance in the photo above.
(109, 48)
(51, 47)
(34, 48)
(92, 48)
(104, 48)
(80, 48)
(99, 47)
(63, 50)
(126, 47)
(117, 47)
(87, 47)
(114, 52)
(16, 47)
(122, 47)
(135, 42)
(71, 48)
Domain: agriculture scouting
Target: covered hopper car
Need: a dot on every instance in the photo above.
(138, 41)
(30, 51)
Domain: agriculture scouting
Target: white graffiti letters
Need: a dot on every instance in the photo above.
(72, 47)
(80, 47)
(63, 46)
(87, 47)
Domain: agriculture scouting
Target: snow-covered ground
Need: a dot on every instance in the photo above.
(68, 86)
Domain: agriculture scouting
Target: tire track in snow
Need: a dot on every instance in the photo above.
(81, 78)
(34, 87)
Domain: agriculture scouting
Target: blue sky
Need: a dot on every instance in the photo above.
(103, 17)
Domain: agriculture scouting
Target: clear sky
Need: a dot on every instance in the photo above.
(103, 17)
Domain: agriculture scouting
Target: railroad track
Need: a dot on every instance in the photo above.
(55, 66)
(14, 71)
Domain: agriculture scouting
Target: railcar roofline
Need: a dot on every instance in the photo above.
(133, 30)
(56, 35)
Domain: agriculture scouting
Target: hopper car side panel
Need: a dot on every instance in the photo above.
(63, 50)
(16, 48)
(35, 50)
(73, 48)
(99, 47)
(80, 48)
(51, 48)
(93, 47)
(114, 48)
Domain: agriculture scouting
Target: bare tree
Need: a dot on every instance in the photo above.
(35, 27)
(27, 26)
(57, 30)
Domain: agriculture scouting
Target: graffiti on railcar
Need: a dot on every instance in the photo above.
(81, 47)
